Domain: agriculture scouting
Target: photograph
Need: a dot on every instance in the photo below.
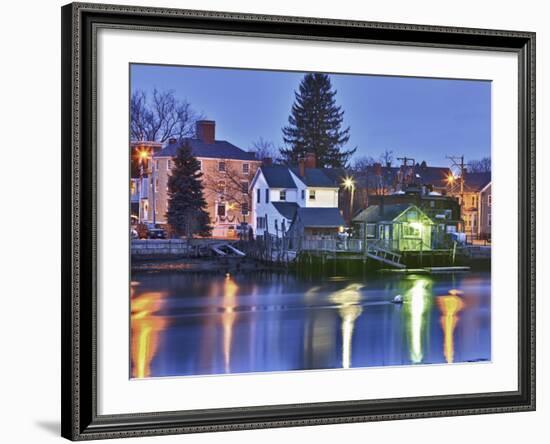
(286, 221)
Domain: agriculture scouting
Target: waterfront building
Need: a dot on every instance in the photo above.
(401, 227)
(278, 191)
(475, 200)
(227, 172)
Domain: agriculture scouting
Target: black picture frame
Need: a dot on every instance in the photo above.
(80, 420)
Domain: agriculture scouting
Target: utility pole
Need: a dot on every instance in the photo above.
(406, 161)
(458, 162)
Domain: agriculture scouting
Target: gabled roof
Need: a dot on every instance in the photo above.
(286, 209)
(220, 149)
(278, 176)
(315, 177)
(476, 181)
(388, 213)
(436, 176)
(319, 217)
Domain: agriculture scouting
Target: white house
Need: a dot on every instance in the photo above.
(278, 191)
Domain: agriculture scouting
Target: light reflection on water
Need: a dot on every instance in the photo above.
(190, 324)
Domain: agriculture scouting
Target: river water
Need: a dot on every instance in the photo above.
(203, 324)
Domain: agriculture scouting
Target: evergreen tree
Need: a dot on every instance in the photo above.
(187, 213)
(315, 124)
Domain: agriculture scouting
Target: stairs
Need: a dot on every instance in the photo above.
(385, 256)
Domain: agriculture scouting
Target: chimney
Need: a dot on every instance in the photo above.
(310, 161)
(172, 141)
(267, 161)
(301, 167)
(206, 131)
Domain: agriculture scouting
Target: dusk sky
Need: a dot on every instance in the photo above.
(426, 119)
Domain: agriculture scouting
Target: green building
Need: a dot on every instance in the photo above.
(397, 227)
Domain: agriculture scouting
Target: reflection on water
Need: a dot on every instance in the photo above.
(349, 310)
(450, 305)
(146, 326)
(191, 324)
(417, 303)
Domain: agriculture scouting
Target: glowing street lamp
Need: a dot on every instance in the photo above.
(145, 155)
(349, 184)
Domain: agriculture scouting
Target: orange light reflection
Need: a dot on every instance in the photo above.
(146, 326)
(450, 305)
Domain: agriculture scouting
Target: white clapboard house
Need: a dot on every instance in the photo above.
(279, 191)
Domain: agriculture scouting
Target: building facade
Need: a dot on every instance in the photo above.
(475, 201)
(227, 172)
(278, 191)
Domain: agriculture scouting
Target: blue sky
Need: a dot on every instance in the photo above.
(422, 118)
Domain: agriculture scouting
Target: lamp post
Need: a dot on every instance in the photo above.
(146, 155)
(349, 184)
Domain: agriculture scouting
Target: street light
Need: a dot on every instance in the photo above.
(349, 184)
(146, 155)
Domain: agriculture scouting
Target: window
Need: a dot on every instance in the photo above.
(169, 164)
(267, 195)
(221, 187)
(473, 201)
(411, 231)
(489, 199)
(221, 166)
(246, 168)
(200, 165)
(260, 223)
(371, 230)
(303, 194)
(221, 210)
(258, 195)
(244, 187)
(311, 194)
(282, 195)
(244, 208)
(489, 217)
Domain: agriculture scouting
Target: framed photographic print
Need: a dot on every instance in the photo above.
(279, 221)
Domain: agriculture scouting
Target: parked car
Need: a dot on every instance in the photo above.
(242, 229)
(156, 233)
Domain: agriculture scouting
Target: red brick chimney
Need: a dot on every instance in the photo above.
(206, 131)
(310, 161)
(301, 167)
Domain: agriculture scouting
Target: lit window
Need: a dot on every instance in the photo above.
(282, 195)
(246, 168)
(411, 231)
(221, 167)
(311, 194)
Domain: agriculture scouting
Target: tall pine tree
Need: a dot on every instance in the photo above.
(187, 213)
(315, 124)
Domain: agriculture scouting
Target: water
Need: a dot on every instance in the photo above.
(203, 324)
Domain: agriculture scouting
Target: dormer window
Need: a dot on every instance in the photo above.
(311, 194)
(282, 195)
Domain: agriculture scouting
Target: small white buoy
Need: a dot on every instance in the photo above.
(397, 299)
